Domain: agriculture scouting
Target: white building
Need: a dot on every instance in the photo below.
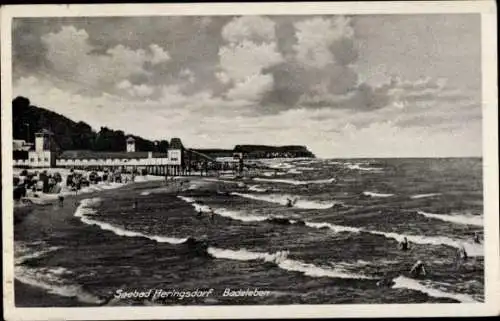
(174, 161)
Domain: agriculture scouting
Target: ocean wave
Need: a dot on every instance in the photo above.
(145, 193)
(271, 174)
(256, 188)
(281, 259)
(417, 196)
(236, 215)
(50, 281)
(407, 283)
(84, 209)
(456, 218)
(360, 168)
(333, 227)
(187, 199)
(293, 171)
(218, 180)
(471, 248)
(283, 200)
(373, 194)
(295, 182)
(281, 166)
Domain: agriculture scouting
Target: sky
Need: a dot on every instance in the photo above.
(344, 86)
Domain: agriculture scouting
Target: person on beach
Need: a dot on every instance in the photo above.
(136, 204)
(404, 245)
(461, 257)
(418, 269)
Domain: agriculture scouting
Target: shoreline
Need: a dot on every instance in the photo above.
(47, 217)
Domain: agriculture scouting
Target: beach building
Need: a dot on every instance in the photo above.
(176, 160)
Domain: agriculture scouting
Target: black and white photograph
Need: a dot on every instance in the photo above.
(238, 160)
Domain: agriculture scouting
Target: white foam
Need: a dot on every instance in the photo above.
(219, 180)
(471, 248)
(294, 171)
(83, 209)
(50, 282)
(306, 169)
(373, 194)
(145, 193)
(187, 199)
(333, 227)
(295, 182)
(424, 195)
(407, 283)
(358, 167)
(236, 215)
(457, 218)
(256, 188)
(240, 216)
(283, 200)
(280, 258)
(271, 174)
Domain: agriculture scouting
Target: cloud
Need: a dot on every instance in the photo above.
(319, 39)
(251, 49)
(252, 28)
(247, 58)
(252, 88)
(70, 53)
(158, 55)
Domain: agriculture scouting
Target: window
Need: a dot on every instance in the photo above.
(32, 160)
(46, 159)
(39, 159)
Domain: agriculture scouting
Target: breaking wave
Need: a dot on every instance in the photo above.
(295, 182)
(84, 209)
(281, 259)
(417, 196)
(407, 283)
(48, 279)
(457, 218)
(471, 248)
(373, 194)
(359, 168)
(283, 200)
(256, 188)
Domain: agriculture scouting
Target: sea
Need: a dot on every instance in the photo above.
(332, 246)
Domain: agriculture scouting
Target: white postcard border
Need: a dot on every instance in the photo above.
(490, 163)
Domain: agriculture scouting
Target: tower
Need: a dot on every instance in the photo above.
(44, 154)
(130, 145)
(43, 141)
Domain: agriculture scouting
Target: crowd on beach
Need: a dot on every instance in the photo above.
(46, 182)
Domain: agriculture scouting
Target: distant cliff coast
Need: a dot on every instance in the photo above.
(261, 151)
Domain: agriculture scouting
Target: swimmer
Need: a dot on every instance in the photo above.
(404, 246)
(418, 269)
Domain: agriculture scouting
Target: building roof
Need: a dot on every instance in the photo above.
(175, 143)
(89, 154)
(130, 139)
